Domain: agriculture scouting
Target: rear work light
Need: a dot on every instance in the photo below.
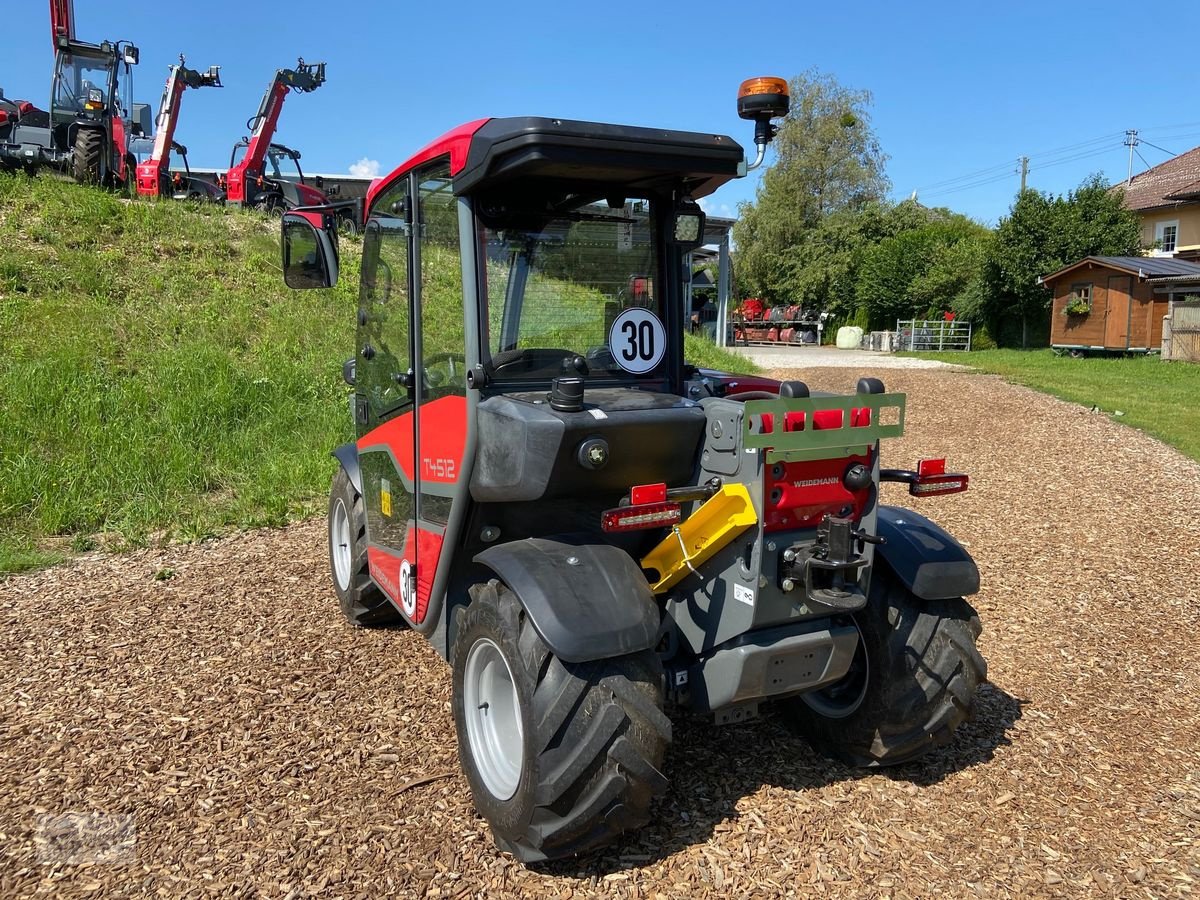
(641, 516)
(933, 479)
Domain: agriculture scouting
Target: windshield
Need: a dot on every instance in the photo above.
(77, 76)
(280, 165)
(561, 287)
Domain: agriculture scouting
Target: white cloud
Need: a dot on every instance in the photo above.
(365, 168)
(720, 210)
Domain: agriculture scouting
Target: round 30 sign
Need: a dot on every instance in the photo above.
(637, 340)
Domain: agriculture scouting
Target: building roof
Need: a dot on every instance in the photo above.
(1147, 267)
(1175, 181)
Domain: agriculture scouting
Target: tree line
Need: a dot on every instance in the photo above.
(822, 233)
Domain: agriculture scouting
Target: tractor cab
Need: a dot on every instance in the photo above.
(281, 184)
(588, 529)
(92, 93)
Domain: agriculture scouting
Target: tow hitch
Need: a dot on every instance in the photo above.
(829, 566)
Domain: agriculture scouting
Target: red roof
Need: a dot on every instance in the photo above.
(456, 142)
(1176, 180)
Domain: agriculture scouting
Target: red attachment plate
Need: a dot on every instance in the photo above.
(928, 467)
(648, 493)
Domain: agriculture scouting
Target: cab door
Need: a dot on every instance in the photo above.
(441, 388)
(385, 395)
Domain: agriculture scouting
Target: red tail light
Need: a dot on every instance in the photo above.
(642, 516)
(933, 479)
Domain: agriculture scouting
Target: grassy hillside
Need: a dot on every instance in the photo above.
(158, 380)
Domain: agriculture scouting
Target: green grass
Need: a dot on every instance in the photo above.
(159, 382)
(1158, 397)
(158, 379)
(702, 352)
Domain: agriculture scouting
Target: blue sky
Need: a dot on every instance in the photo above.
(958, 88)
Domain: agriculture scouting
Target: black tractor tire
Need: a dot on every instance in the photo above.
(911, 684)
(582, 744)
(347, 226)
(360, 599)
(87, 157)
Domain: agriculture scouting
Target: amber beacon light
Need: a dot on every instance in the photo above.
(762, 99)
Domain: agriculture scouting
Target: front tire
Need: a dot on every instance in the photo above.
(561, 757)
(361, 601)
(87, 156)
(911, 684)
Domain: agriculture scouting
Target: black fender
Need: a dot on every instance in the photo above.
(930, 563)
(347, 455)
(587, 601)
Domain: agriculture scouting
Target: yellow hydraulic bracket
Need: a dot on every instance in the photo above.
(720, 519)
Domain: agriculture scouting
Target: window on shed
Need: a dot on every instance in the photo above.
(1084, 293)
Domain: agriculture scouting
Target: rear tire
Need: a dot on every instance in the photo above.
(88, 156)
(911, 684)
(561, 757)
(361, 601)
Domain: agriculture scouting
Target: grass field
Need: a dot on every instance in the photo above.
(1160, 398)
(159, 382)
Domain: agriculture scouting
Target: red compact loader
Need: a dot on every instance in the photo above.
(154, 177)
(92, 115)
(594, 534)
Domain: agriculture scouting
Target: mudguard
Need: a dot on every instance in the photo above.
(347, 455)
(930, 563)
(587, 601)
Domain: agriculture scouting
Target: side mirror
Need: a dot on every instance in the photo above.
(310, 256)
(131, 55)
(687, 225)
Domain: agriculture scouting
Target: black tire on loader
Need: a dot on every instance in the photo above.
(561, 757)
(911, 684)
(361, 601)
(88, 155)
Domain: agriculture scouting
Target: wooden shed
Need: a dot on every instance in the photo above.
(1116, 303)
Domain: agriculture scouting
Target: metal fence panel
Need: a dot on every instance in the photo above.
(932, 334)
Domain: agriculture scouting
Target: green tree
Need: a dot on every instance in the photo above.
(926, 267)
(828, 161)
(1042, 234)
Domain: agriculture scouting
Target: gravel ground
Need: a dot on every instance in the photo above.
(208, 706)
(806, 357)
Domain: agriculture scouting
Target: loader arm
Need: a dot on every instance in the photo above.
(150, 173)
(62, 22)
(306, 77)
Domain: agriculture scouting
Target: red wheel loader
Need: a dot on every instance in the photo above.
(92, 115)
(255, 178)
(595, 535)
(154, 177)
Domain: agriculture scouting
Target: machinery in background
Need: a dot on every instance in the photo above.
(92, 116)
(154, 178)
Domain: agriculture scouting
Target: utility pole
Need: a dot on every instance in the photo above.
(1131, 141)
(1024, 171)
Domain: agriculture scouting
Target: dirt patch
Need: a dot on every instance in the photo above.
(221, 731)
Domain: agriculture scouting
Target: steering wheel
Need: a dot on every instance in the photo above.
(601, 356)
(528, 359)
(455, 370)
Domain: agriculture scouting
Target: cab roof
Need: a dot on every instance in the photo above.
(503, 153)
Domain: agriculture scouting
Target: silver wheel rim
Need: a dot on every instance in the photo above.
(339, 544)
(493, 714)
(832, 705)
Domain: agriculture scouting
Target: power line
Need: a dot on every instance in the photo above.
(1139, 153)
(937, 186)
(1086, 155)
(1156, 147)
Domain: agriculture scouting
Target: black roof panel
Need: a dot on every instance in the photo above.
(508, 151)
